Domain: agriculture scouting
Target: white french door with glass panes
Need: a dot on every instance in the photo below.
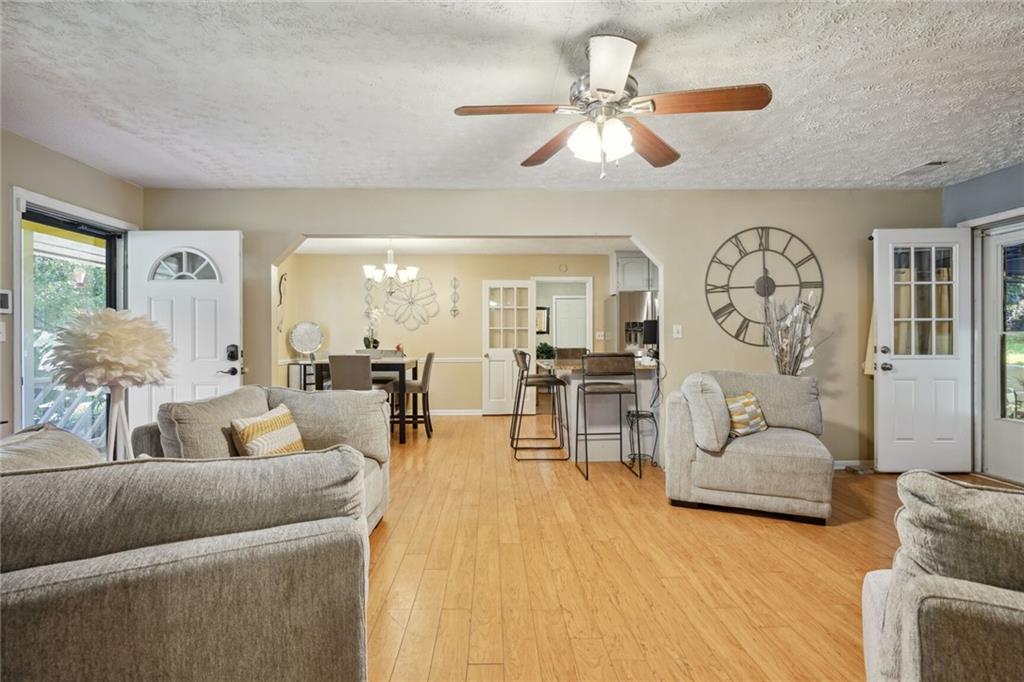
(508, 324)
(922, 349)
(1002, 421)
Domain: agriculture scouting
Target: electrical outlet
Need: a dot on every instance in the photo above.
(677, 331)
(599, 335)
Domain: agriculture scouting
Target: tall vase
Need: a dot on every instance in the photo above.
(117, 425)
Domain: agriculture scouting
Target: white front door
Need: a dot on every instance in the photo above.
(1002, 422)
(191, 284)
(508, 323)
(570, 322)
(923, 349)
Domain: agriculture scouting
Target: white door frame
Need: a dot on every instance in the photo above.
(21, 200)
(977, 226)
(589, 282)
(570, 297)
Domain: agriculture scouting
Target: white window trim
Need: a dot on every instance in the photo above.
(22, 199)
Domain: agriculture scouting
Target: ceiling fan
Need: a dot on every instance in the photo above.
(607, 98)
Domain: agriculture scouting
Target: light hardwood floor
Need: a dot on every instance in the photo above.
(488, 569)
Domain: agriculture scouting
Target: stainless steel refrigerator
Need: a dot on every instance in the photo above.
(624, 316)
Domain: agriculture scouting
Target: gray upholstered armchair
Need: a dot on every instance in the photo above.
(784, 469)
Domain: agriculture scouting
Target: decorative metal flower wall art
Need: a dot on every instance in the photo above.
(413, 305)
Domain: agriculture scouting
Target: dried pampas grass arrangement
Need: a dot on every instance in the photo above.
(110, 348)
(788, 331)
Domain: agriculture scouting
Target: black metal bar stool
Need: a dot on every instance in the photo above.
(603, 365)
(635, 418)
(559, 411)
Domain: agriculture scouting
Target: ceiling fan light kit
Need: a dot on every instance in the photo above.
(608, 97)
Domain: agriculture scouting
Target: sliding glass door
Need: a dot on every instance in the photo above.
(66, 267)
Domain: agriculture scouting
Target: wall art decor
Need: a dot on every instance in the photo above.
(413, 304)
(752, 266)
(454, 297)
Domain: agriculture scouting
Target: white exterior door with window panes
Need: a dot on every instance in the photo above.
(923, 404)
(189, 282)
(1002, 422)
(508, 324)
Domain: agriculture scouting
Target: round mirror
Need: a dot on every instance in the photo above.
(306, 338)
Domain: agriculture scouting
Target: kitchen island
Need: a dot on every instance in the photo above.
(603, 410)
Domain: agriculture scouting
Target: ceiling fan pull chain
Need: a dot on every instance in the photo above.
(603, 174)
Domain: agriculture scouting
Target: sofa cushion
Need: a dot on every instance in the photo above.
(956, 530)
(43, 447)
(201, 429)
(708, 411)
(373, 481)
(779, 462)
(55, 515)
(745, 415)
(273, 433)
(791, 402)
(326, 418)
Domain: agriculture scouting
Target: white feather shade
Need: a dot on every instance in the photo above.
(111, 348)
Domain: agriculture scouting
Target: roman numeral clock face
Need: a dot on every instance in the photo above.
(749, 267)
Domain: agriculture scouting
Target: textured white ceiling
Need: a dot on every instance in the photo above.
(492, 245)
(361, 95)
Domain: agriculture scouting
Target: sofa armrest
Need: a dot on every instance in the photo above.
(189, 610)
(680, 448)
(146, 440)
(959, 630)
(359, 419)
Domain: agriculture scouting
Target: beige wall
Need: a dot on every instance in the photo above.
(30, 166)
(680, 230)
(329, 290)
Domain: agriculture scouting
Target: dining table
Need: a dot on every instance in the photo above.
(315, 375)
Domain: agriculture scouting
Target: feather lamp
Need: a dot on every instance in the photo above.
(111, 348)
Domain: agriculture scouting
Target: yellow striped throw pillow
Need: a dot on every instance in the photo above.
(273, 433)
(745, 414)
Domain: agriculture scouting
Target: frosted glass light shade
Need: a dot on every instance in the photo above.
(616, 140)
(585, 142)
(411, 272)
(368, 271)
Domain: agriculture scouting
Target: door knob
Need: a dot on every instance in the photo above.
(886, 366)
(884, 350)
(231, 371)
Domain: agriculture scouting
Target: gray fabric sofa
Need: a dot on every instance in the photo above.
(229, 569)
(202, 429)
(952, 606)
(784, 469)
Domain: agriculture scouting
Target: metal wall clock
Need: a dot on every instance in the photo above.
(749, 267)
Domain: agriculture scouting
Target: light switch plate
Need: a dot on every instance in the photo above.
(3, 331)
(677, 331)
(599, 335)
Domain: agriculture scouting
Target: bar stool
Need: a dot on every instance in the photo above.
(635, 418)
(603, 365)
(560, 412)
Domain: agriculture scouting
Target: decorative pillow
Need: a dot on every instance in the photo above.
(44, 447)
(273, 433)
(745, 414)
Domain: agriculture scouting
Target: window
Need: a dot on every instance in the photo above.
(922, 302)
(183, 264)
(66, 267)
(1012, 332)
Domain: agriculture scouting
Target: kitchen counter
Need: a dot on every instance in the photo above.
(576, 365)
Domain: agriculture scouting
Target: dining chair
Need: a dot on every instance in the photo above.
(418, 387)
(351, 373)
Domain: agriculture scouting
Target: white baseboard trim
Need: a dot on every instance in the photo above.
(457, 413)
(843, 463)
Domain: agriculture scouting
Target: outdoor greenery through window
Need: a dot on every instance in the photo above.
(63, 272)
(1013, 331)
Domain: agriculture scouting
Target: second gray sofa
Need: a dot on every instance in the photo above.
(785, 469)
(201, 429)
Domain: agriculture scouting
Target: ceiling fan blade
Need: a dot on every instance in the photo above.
(611, 58)
(733, 98)
(648, 145)
(551, 147)
(489, 110)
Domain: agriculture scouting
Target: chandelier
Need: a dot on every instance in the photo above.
(391, 276)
